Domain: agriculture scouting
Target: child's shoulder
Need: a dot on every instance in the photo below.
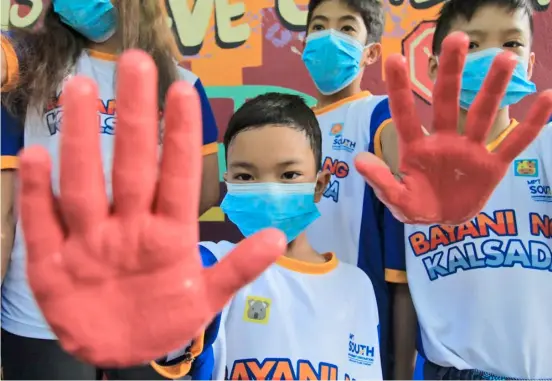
(372, 111)
(371, 104)
(354, 274)
(186, 75)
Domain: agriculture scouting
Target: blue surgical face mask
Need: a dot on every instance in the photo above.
(257, 206)
(478, 65)
(332, 59)
(94, 19)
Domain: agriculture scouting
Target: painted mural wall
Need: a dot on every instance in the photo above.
(243, 48)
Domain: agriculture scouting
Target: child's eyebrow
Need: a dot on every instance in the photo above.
(287, 163)
(512, 31)
(479, 32)
(342, 18)
(476, 32)
(241, 164)
(319, 17)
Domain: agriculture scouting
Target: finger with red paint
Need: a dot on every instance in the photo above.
(435, 166)
(126, 285)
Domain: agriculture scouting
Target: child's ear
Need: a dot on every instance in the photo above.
(432, 65)
(321, 184)
(530, 65)
(371, 54)
(225, 177)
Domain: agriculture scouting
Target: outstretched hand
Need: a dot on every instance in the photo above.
(124, 285)
(446, 177)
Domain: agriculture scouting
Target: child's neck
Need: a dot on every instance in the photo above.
(112, 46)
(501, 122)
(349, 91)
(301, 250)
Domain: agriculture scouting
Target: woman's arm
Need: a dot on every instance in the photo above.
(8, 220)
(210, 184)
(12, 142)
(4, 66)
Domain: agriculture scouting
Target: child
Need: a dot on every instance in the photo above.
(354, 224)
(491, 322)
(309, 316)
(78, 37)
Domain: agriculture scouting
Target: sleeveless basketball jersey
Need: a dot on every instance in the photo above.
(299, 321)
(483, 290)
(20, 314)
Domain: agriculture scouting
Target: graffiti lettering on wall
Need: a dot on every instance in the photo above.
(20, 14)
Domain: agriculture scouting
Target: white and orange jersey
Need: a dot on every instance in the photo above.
(482, 290)
(20, 314)
(299, 321)
(354, 224)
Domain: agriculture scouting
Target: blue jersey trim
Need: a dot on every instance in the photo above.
(371, 257)
(12, 134)
(203, 366)
(210, 130)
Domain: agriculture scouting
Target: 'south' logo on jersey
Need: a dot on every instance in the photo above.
(539, 189)
(360, 353)
(340, 143)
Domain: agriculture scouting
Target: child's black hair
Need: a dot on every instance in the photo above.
(277, 109)
(466, 9)
(371, 12)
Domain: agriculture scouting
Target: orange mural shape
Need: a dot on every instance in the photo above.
(222, 37)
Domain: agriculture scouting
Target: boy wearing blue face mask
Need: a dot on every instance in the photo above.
(343, 37)
(309, 316)
(482, 289)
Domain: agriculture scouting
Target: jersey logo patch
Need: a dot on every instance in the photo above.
(360, 353)
(340, 143)
(539, 189)
(257, 309)
(526, 168)
(336, 129)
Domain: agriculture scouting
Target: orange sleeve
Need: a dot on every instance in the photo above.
(210, 148)
(12, 65)
(9, 162)
(395, 276)
(377, 138)
(182, 368)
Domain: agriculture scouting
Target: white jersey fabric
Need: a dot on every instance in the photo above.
(348, 128)
(354, 224)
(299, 321)
(20, 313)
(483, 290)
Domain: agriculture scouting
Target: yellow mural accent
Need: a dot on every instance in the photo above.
(400, 20)
(225, 36)
(9, 13)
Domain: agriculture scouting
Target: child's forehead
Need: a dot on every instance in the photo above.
(494, 19)
(335, 9)
(269, 141)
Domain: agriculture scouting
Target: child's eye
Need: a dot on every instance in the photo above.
(513, 44)
(317, 27)
(473, 45)
(290, 175)
(347, 29)
(243, 177)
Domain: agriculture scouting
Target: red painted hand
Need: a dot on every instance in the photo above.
(125, 285)
(447, 178)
